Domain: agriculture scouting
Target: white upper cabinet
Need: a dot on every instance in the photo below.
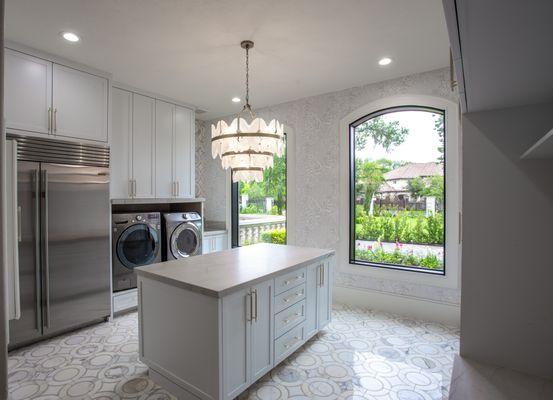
(184, 149)
(121, 144)
(28, 92)
(44, 97)
(80, 104)
(160, 136)
(165, 124)
(143, 122)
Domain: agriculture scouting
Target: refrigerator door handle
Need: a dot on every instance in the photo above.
(36, 195)
(45, 255)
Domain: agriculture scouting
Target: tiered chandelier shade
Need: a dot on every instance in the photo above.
(248, 148)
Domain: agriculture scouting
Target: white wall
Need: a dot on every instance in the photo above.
(507, 302)
(316, 122)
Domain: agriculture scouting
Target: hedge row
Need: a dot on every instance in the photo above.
(277, 236)
(397, 257)
(402, 227)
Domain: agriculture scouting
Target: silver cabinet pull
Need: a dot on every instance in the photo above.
(289, 281)
(55, 120)
(19, 224)
(49, 120)
(254, 292)
(249, 312)
(322, 275)
(45, 252)
(292, 343)
(293, 318)
(178, 189)
(290, 298)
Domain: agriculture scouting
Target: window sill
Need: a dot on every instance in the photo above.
(397, 267)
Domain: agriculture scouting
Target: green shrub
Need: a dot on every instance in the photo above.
(277, 236)
(378, 255)
(251, 209)
(274, 210)
(401, 226)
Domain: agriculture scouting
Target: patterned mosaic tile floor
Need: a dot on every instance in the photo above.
(363, 354)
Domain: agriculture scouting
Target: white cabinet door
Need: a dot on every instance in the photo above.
(262, 330)
(121, 144)
(324, 302)
(164, 149)
(184, 152)
(311, 292)
(143, 146)
(80, 104)
(236, 342)
(28, 92)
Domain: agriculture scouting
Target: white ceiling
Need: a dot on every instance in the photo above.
(189, 49)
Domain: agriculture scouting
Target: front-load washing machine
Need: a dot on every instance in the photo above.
(182, 234)
(136, 242)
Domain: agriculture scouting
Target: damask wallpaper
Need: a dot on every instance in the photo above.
(316, 124)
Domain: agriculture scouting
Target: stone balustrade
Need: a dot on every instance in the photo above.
(251, 230)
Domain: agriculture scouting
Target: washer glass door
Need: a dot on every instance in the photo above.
(185, 240)
(137, 246)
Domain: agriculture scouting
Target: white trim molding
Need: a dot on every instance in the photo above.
(444, 289)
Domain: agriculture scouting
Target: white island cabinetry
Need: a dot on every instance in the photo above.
(211, 325)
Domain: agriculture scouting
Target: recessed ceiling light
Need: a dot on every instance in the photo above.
(236, 100)
(384, 61)
(70, 37)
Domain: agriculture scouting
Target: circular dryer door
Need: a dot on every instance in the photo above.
(138, 245)
(185, 240)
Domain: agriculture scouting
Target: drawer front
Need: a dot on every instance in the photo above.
(288, 343)
(292, 296)
(289, 318)
(289, 280)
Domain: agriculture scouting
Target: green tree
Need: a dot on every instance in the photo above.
(383, 133)
(439, 129)
(274, 182)
(369, 175)
(427, 187)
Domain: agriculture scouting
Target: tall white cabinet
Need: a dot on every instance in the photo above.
(45, 97)
(152, 147)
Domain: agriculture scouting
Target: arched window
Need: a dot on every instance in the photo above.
(397, 189)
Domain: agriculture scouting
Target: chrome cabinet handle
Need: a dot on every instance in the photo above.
(254, 292)
(294, 317)
(322, 275)
(249, 312)
(19, 224)
(55, 123)
(49, 120)
(178, 188)
(289, 299)
(292, 342)
(297, 278)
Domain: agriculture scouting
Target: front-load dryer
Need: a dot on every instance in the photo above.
(182, 234)
(136, 242)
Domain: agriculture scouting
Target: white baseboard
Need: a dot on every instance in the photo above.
(449, 314)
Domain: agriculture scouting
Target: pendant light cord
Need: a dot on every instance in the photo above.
(248, 77)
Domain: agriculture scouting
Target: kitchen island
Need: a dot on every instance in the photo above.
(211, 325)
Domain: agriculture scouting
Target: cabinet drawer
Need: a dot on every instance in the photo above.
(292, 296)
(289, 280)
(288, 343)
(287, 319)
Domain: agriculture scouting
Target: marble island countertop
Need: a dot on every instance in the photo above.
(218, 274)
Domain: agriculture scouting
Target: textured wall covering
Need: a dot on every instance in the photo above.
(316, 124)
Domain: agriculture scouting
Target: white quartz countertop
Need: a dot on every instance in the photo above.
(218, 274)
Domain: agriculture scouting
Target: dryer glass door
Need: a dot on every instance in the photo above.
(185, 241)
(137, 246)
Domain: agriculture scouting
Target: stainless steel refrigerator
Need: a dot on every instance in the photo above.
(63, 214)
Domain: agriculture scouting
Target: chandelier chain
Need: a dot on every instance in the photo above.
(247, 76)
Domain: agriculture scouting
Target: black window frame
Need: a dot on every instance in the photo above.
(351, 160)
(235, 206)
